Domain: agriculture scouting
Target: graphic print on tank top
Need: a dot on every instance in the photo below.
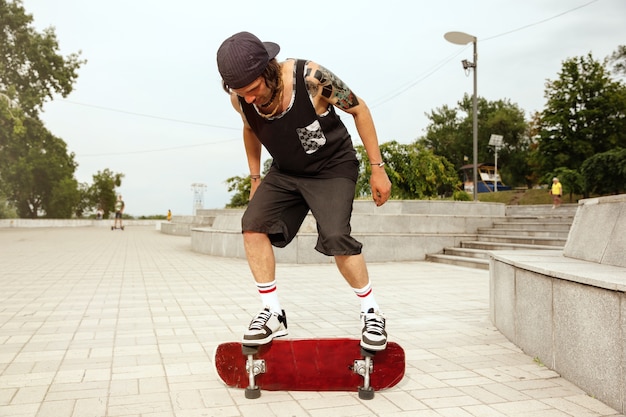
(311, 137)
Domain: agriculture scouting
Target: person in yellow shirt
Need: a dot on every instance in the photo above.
(556, 191)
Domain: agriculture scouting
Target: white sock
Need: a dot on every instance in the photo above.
(269, 296)
(366, 295)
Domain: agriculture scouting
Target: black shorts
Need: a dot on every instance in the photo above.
(118, 214)
(281, 203)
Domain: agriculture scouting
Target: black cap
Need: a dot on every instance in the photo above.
(242, 58)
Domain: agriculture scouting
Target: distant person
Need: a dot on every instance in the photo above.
(119, 210)
(556, 191)
(289, 108)
(99, 213)
(169, 215)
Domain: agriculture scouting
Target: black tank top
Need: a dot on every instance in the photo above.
(302, 142)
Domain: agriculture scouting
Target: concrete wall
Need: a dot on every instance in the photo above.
(397, 231)
(72, 223)
(437, 207)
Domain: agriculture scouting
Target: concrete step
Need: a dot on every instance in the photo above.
(467, 252)
(524, 227)
(541, 219)
(523, 232)
(541, 210)
(459, 261)
(527, 225)
(490, 246)
(527, 240)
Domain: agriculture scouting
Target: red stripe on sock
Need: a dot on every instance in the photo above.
(365, 294)
(267, 291)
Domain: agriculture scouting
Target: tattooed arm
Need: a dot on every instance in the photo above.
(327, 89)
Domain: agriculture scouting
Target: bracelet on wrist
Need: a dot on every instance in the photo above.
(255, 177)
(379, 164)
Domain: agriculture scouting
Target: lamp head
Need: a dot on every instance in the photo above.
(459, 38)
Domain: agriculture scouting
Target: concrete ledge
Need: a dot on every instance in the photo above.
(569, 313)
(598, 233)
(569, 308)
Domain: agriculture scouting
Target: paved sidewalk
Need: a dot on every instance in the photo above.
(97, 323)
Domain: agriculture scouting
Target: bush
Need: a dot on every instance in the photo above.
(460, 195)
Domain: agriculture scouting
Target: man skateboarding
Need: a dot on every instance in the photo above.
(289, 108)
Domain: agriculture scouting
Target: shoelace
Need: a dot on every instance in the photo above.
(260, 320)
(374, 324)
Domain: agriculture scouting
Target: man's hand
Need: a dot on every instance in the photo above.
(381, 186)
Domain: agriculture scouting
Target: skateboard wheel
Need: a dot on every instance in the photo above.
(366, 393)
(253, 393)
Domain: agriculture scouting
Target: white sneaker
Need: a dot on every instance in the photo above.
(265, 327)
(374, 336)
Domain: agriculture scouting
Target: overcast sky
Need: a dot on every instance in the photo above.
(148, 103)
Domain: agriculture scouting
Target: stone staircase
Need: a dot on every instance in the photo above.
(523, 227)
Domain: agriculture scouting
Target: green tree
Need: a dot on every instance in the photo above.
(446, 136)
(605, 173)
(32, 68)
(585, 114)
(102, 192)
(36, 171)
(241, 186)
(415, 172)
(618, 60)
(450, 134)
(35, 165)
(63, 200)
(7, 211)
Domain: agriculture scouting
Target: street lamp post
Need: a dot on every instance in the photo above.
(461, 38)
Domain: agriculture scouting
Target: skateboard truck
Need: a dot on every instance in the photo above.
(365, 367)
(254, 367)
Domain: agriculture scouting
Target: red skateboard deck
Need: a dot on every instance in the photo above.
(310, 365)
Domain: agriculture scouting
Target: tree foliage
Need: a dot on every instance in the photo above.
(32, 68)
(415, 172)
(605, 173)
(450, 134)
(102, 193)
(618, 60)
(36, 170)
(585, 114)
(241, 186)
